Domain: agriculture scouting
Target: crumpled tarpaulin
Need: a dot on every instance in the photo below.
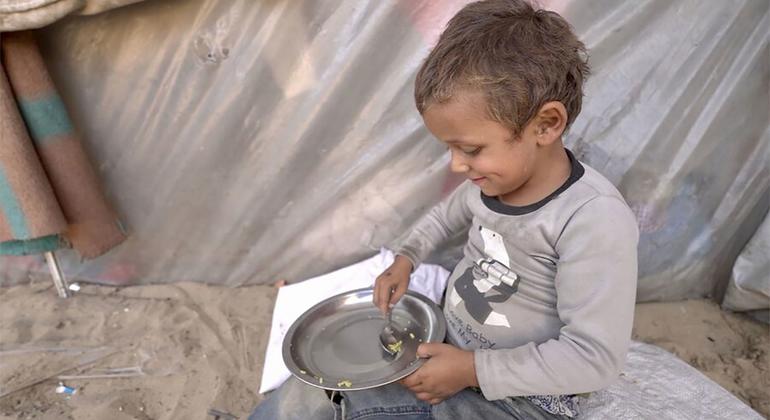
(49, 194)
(16, 15)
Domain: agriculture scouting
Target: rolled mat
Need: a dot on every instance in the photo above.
(49, 193)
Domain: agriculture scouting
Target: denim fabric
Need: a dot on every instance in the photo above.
(295, 400)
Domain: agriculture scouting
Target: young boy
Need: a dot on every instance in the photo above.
(540, 307)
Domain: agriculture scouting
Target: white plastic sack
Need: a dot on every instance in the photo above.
(749, 287)
(655, 384)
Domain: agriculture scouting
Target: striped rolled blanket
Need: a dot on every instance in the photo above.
(50, 196)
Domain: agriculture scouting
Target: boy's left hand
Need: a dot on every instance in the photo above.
(447, 371)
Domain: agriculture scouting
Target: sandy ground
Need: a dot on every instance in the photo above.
(731, 349)
(198, 347)
(191, 348)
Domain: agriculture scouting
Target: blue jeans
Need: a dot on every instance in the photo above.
(295, 400)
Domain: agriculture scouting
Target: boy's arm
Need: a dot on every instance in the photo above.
(447, 218)
(451, 216)
(596, 289)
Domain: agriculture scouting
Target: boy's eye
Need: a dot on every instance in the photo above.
(468, 150)
(471, 151)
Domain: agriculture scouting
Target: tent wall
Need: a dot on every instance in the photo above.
(247, 141)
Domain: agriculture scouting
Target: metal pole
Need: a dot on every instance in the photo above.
(58, 277)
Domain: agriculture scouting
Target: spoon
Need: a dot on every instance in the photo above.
(389, 337)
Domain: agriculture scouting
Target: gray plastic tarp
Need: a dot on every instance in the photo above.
(247, 141)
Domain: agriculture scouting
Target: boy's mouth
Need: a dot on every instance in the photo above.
(478, 180)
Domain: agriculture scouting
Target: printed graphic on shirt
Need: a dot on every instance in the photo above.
(489, 280)
(465, 332)
(494, 247)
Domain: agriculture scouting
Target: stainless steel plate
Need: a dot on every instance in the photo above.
(335, 344)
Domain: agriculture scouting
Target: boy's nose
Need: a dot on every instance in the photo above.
(457, 164)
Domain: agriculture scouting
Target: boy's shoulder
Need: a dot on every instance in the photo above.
(594, 216)
(592, 196)
(594, 200)
(593, 184)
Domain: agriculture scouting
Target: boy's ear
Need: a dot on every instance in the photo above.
(550, 122)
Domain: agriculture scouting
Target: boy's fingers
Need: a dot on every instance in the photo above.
(397, 293)
(378, 299)
(386, 297)
(376, 293)
(418, 388)
(421, 352)
(383, 297)
(424, 396)
(379, 290)
(411, 381)
(426, 350)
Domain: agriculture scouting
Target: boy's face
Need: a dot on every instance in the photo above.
(482, 149)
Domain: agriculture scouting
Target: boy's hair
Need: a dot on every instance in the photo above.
(518, 57)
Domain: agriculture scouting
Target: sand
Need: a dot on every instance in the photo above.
(196, 347)
(731, 349)
(200, 347)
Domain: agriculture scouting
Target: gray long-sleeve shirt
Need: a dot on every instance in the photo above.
(544, 293)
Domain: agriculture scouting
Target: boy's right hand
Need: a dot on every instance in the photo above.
(392, 283)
